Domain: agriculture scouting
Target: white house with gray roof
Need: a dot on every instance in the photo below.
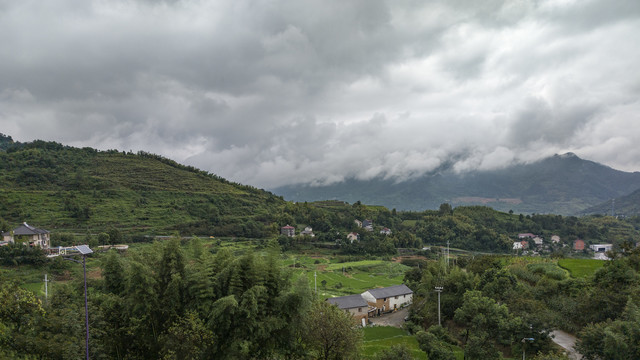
(353, 304)
(389, 298)
(28, 235)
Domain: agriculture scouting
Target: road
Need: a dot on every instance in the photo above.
(392, 319)
(568, 342)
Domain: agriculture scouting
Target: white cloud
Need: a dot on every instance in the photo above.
(283, 92)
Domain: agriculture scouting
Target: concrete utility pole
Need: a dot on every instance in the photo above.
(439, 290)
(46, 289)
(524, 342)
(447, 253)
(315, 281)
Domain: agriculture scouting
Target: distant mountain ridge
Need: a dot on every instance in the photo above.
(627, 205)
(561, 184)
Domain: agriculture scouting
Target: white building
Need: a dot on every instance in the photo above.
(389, 298)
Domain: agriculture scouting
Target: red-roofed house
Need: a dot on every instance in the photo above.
(288, 230)
(578, 244)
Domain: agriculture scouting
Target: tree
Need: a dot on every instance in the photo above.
(113, 273)
(487, 324)
(187, 338)
(331, 333)
(435, 347)
(396, 352)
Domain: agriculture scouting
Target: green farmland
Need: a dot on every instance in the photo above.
(580, 268)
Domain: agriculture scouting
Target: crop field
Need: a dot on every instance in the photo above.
(579, 268)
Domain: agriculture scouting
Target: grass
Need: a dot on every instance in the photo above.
(378, 338)
(580, 268)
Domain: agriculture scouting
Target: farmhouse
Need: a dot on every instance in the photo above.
(288, 230)
(28, 235)
(578, 244)
(308, 231)
(555, 239)
(601, 247)
(517, 245)
(353, 237)
(385, 231)
(526, 236)
(538, 241)
(354, 305)
(389, 298)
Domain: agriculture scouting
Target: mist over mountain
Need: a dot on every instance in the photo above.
(562, 184)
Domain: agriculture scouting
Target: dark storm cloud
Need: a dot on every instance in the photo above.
(270, 93)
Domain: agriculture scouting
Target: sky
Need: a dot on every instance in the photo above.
(275, 92)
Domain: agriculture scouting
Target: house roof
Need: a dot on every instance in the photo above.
(348, 302)
(26, 229)
(390, 291)
(288, 227)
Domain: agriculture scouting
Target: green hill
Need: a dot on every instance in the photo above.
(66, 188)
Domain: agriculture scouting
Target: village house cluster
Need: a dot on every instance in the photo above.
(533, 244)
(374, 302)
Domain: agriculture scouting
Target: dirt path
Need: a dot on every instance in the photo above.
(567, 342)
(395, 319)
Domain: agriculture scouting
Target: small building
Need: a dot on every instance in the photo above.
(355, 305)
(353, 237)
(578, 244)
(358, 223)
(385, 231)
(389, 298)
(307, 232)
(367, 222)
(288, 230)
(526, 236)
(555, 239)
(601, 247)
(517, 245)
(28, 235)
(525, 244)
(538, 241)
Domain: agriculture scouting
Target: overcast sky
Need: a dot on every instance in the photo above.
(276, 92)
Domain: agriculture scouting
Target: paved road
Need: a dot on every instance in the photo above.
(392, 319)
(567, 341)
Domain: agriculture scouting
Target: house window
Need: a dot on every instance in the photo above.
(396, 298)
(359, 309)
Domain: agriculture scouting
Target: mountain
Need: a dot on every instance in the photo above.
(65, 188)
(560, 184)
(628, 205)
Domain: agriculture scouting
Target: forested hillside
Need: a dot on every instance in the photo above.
(85, 191)
(61, 187)
(561, 184)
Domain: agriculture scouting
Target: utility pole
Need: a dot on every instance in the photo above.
(447, 254)
(439, 290)
(524, 340)
(315, 281)
(613, 206)
(46, 289)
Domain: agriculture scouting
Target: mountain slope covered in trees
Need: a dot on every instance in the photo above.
(61, 187)
(561, 184)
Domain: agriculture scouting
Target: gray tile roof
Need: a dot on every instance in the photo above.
(390, 291)
(26, 229)
(348, 302)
